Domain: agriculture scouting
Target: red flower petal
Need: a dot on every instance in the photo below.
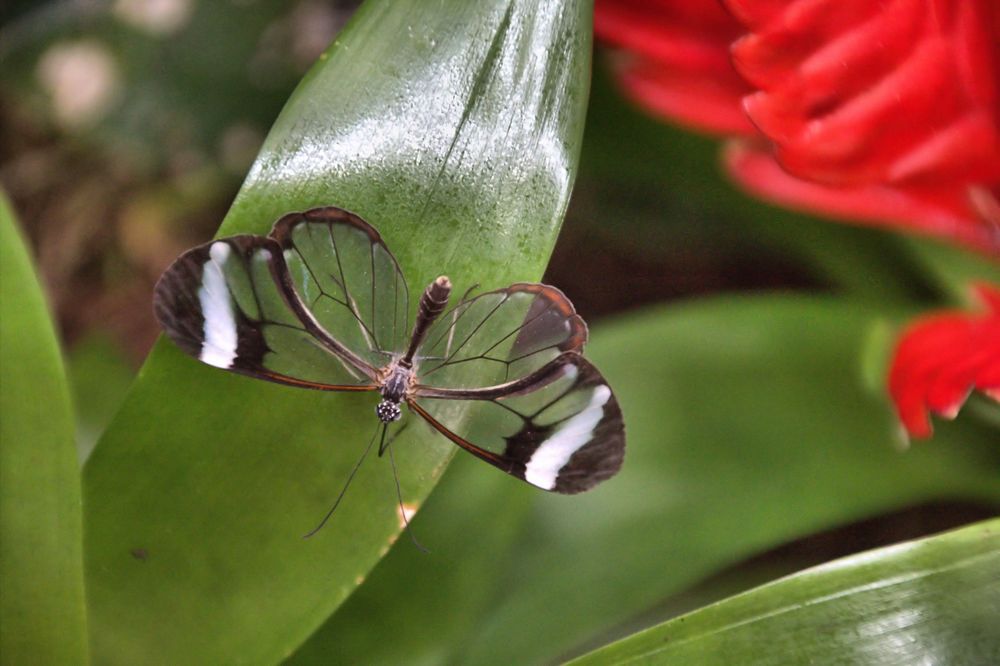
(889, 110)
(855, 92)
(941, 358)
(967, 216)
(677, 62)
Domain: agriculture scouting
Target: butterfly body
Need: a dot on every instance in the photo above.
(398, 377)
(321, 303)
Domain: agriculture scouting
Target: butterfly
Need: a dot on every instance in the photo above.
(321, 303)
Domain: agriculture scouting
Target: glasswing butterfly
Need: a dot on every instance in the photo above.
(321, 303)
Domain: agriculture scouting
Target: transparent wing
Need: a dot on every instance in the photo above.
(229, 303)
(559, 428)
(348, 280)
(499, 336)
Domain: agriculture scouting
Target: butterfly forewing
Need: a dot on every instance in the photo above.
(559, 428)
(348, 279)
(224, 303)
(499, 336)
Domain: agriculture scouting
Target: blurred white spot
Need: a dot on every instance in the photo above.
(238, 146)
(295, 41)
(157, 17)
(313, 26)
(82, 80)
(405, 513)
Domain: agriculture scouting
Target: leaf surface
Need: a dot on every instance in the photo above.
(42, 613)
(749, 425)
(454, 129)
(936, 598)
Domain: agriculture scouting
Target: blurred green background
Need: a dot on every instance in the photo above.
(747, 344)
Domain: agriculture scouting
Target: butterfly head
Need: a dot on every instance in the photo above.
(388, 411)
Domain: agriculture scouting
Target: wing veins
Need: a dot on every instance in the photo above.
(323, 292)
(483, 357)
(265, 321)
(450, 331)
(459, 441)
(475, 330)
(312, 339)
(448, 359)
(342, 283)
(552, 402)
(283, 279)
(371, 253)
(395, 310)
(530, 418)
(353, 306)
(519, 328)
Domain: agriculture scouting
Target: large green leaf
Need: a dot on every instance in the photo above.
(936, 600)
(748, 425)
(452, 127)
(42, 615)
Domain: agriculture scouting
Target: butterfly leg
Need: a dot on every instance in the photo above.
(350, 478)
(399, 496)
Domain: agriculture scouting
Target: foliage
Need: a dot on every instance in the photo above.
(753, 420)
(42, 618)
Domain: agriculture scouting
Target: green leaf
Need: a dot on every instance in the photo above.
(748, 424)
(42, 614)
(953, 269)
(433, 602)
(99, 376)
(454, 129)
(934, 599)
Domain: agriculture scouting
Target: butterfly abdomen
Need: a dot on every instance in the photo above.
(434, 299)
(432, 303)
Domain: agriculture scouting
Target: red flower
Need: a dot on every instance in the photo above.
(941, 358)
(885, 113)
(675, 60)
(967, 215)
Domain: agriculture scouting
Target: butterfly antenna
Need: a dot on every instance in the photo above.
(468, 292)
(354, 471)
(402, 511)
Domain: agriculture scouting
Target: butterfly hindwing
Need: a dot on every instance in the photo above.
(228, 304)
(559, 428)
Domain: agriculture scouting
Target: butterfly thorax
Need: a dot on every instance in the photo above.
(396, 382)
(400, 375)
